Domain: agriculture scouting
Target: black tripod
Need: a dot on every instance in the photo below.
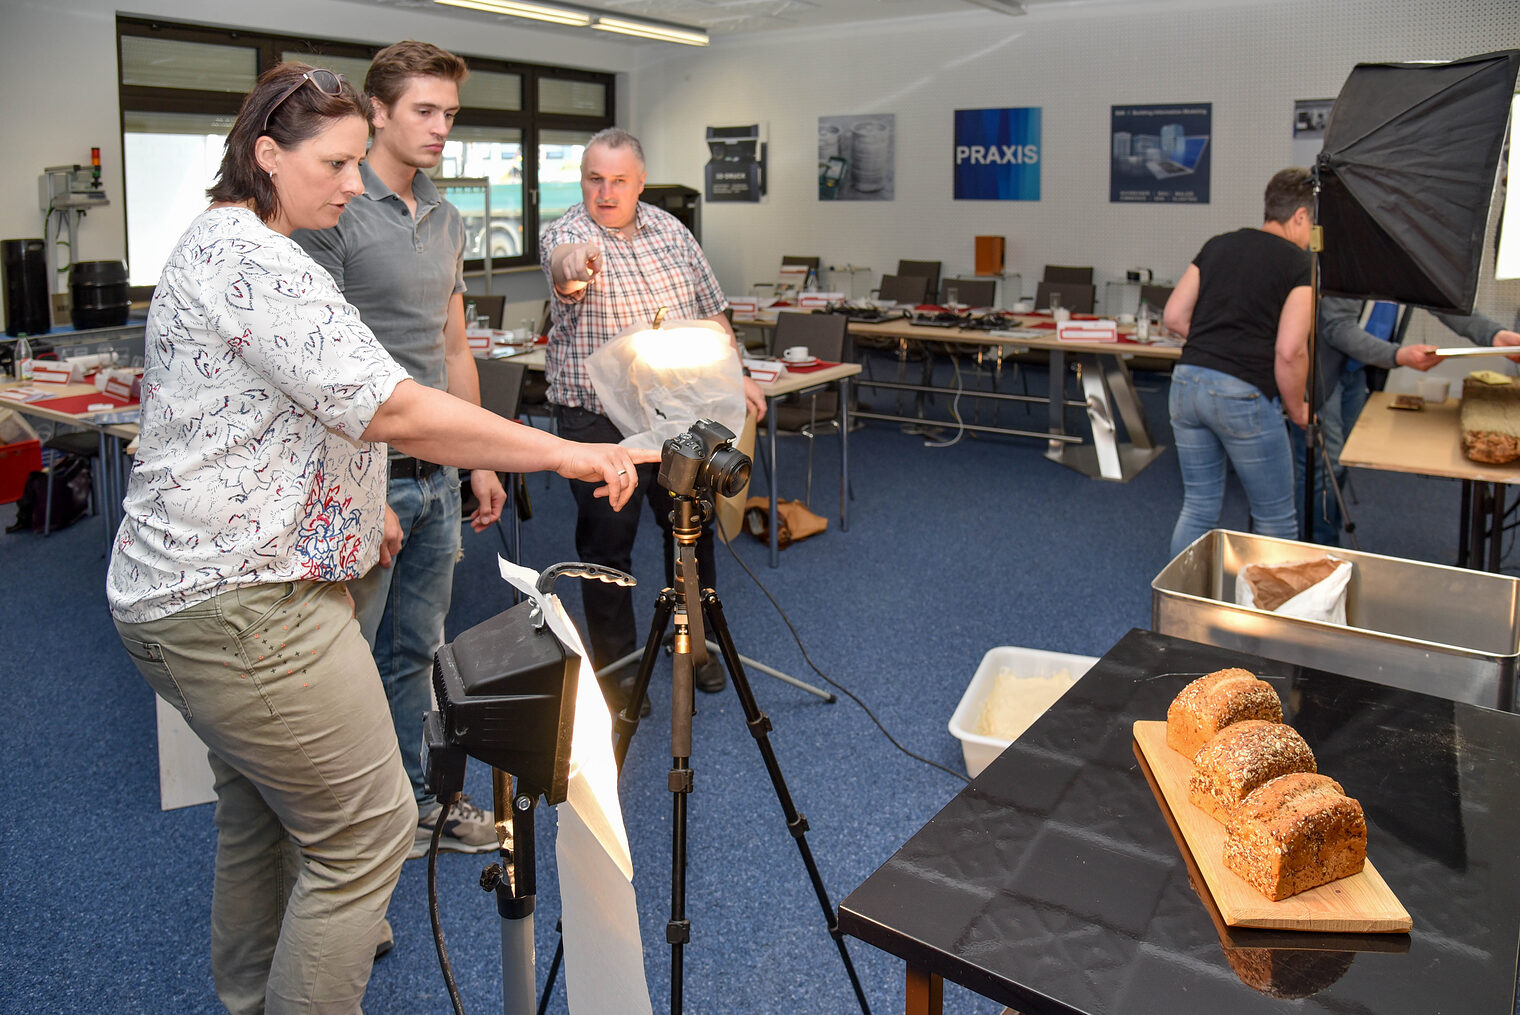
(690, 652)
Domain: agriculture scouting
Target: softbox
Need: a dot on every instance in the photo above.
(1406, 176)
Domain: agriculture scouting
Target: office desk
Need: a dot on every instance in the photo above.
(1053, 883)
(791, 383)
(1108, 393)
(1429, 443)
(112, 468)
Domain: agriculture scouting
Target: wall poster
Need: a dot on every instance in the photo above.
(857, 157)
(736, 163)
(1309, 119)
(997, 154)
(1161, 154)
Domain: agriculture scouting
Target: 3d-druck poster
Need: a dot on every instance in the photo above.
(857, 157)
(997, 154)
(736, 169)
(1161, 154)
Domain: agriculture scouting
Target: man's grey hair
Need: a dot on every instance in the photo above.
(617, 137)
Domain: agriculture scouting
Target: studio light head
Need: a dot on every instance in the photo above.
(506, 696)
(703, 462)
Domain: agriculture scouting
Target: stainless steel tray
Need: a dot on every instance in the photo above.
(1424, 627)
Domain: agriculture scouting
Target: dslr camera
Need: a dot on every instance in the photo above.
(703, 462)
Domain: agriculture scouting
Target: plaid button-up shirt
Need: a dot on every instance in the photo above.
(660, 266)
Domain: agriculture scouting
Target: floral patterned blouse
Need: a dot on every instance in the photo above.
(259, 381)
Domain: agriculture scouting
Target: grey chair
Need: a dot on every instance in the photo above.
(928, 269)
(502, 383)
(973, 292)
(489, 307)
(1075, 296)
(904, 289)
(1067, 273)
(815, 411)
(1155, 296)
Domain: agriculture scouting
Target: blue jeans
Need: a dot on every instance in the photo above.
(401, 608)
(1336, 418)
(1218, 420)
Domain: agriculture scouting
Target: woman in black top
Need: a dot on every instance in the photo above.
(1243, 306)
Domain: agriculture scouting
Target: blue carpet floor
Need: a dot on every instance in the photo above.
(951, 551)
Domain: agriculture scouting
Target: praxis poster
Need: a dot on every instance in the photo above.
(1161, 154)
(997, 154)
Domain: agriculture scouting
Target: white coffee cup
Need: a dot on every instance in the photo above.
(796, 354)
(1434, 389)
(1061, 314)
(1021, 307)
(1126, 318)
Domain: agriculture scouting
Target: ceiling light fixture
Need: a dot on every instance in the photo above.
(1012, 7)
(645, 30)
(535, 12)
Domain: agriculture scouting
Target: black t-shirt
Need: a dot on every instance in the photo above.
(1244, 278)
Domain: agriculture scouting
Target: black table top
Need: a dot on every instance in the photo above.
(1053, 884)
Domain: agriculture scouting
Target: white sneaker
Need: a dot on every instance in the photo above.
(467, 830)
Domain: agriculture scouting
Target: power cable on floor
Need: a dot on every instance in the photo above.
(724, 536)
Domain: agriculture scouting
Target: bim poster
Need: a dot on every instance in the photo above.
(997, 154)
(1161, 154)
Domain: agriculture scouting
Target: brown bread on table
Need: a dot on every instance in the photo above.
(1212, 702)
(1295, 833)
(1241, 757)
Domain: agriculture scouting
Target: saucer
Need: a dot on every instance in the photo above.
(800, 362)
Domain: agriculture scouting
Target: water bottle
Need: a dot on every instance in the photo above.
(1143, 322)
(811, 285)
(22, 353)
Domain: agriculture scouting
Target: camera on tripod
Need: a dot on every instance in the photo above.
(703, 462)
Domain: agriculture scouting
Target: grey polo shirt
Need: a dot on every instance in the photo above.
(399, 271)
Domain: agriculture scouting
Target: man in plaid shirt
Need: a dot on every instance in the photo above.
(612, 263)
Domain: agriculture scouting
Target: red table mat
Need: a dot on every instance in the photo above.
(79, 405)
(820, 365)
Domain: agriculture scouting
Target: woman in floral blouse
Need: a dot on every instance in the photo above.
(258, 490)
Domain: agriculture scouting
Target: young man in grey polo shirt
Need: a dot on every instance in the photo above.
(398, 255)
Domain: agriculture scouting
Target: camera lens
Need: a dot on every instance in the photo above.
(729, 470)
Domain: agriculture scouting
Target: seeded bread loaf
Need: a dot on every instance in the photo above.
(1490, 415)
(1295, 833)
(1241, 757)
(1212, 702)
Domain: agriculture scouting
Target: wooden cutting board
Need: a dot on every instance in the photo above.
(1361, 903)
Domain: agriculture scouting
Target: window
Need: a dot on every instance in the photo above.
(494, 154)
(520, 126)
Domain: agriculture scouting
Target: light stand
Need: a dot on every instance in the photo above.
(506, 693)
(1406, 216)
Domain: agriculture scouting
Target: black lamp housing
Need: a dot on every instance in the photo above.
(506, 692)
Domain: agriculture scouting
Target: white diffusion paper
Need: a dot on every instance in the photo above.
(604, 953)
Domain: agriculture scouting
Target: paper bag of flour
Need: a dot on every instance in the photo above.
(1312, 589)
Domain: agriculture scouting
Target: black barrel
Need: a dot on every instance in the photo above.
(23, 268)
(99, 291)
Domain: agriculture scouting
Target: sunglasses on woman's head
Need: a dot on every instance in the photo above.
(327, 82)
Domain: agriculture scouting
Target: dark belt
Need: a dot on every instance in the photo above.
(412, 468)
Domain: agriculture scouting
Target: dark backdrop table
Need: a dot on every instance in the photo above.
(1053, 884)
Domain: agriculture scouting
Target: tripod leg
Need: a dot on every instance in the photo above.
(759, 727)
(626, 722)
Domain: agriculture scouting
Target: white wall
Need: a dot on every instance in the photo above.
(59, 77)
(1250, 59)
